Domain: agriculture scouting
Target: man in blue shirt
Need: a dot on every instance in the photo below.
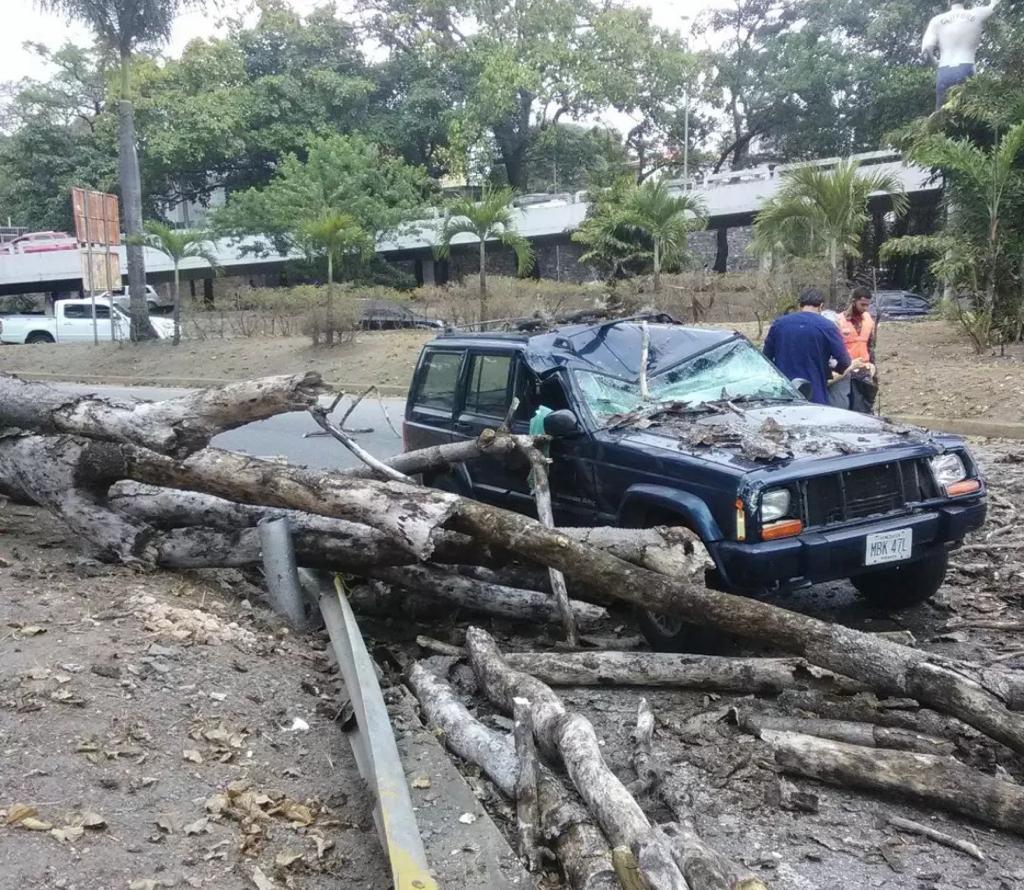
(801, 344)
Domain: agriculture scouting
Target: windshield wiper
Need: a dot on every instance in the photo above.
(756, 398)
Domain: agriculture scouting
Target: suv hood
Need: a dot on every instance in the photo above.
(749, 437)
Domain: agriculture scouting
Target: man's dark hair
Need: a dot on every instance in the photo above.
(811, 296)
(860, 292)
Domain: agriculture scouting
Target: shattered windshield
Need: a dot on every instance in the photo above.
(732, 372)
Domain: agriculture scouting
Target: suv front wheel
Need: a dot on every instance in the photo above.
(904, 585)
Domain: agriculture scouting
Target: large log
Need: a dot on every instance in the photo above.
(865, 734)
(478, 596)
(175, 426)
(414, 516)
(580, 846)
(571, 737)
(58, 473)
(938, 781)
(711, 672)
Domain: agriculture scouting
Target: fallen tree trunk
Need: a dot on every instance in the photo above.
(507, 602)
(711, 672)
(864, 734)
(414, 516)
(177, 426)
(939, 781)
(581, 848)
(953, 687)
(571, 737)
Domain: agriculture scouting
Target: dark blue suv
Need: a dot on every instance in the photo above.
(782, 492)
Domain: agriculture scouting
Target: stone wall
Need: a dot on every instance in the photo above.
(705, 245)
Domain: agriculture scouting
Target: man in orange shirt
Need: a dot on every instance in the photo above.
(857, 328)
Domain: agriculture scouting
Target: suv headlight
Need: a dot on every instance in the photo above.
(774, 504)
(948, 468)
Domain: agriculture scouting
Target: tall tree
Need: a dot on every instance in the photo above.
(516, 68)
(823, 212)
(122, 26)
(179, 245)
(490, 218)
(331, 205)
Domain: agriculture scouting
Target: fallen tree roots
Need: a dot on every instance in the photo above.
(565, 823)
(709, 672)
(925, 778)
(572, 738)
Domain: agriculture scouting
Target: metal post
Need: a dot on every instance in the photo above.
(89, 277)
(281, 574)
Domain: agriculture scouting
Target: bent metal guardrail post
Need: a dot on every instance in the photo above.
(280, 572)
(375, 749)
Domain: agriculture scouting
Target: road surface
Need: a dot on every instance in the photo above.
(282, 436)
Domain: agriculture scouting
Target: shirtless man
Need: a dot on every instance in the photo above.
(951, 40)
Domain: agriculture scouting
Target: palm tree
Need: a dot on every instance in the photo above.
(336, 234)
(121, 25)
(981, 247)
(665, 218)
(178, 245)
(490, 218)
(823, 212)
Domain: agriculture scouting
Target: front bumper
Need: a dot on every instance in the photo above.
(830, 554)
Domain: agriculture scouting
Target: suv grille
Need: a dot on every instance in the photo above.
(868, 491)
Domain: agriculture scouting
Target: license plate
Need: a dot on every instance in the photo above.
(888, 546)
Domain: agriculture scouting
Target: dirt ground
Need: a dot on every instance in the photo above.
(927, 368)
(162, 731)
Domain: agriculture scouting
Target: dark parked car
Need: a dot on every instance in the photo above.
(781, 491)
(377, 315)
(897, 304)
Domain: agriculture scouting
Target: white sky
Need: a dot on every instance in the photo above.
(21, 21)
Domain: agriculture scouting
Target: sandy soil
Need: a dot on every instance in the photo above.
(927, 368)
(164, 705)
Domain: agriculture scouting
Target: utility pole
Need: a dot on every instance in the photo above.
(686, 141)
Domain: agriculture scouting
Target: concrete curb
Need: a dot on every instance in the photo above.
(183, 382)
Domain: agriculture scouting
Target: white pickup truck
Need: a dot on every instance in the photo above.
(72, 323)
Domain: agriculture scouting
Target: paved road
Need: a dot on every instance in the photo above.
(283, 435)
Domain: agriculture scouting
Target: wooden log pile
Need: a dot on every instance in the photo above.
(140, 484)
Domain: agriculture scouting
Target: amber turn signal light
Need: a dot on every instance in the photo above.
(968, 486)
(784, 528)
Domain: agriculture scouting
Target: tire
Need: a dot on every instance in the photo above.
(668, 633)
(904, 585)
(40, 337)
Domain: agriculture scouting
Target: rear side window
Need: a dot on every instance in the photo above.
(487, 393)
(439, 380)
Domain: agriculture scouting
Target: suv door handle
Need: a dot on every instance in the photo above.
(462, 425)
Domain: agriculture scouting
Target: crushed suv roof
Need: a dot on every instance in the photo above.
(611, 347)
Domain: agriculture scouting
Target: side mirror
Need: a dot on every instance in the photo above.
(561, 423)
(803, 387)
